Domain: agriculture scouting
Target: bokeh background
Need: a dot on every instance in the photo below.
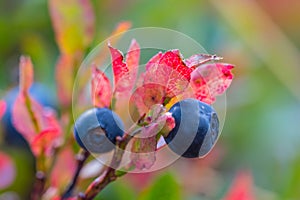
(261, 137)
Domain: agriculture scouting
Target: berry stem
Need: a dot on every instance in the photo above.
(81, 158)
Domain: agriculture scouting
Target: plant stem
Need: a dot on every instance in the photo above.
(110, 175)
(39, 185)
(81, 158)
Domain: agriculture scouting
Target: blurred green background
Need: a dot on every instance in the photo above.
(261, 132)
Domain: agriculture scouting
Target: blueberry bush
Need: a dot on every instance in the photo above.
(171, 102)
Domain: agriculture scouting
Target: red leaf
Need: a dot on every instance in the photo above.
(25, 111)
(26, 73)
(64, 74)
(154, 60)
(45, 141)
(74, 24)
(210, 80)
(241, 188)
(2, 108)
(50, 136)
(27, 120)
(7, 171)
(147, 95)
(125, 73)
(173, 59)
(132, 61)
(101, 89)
(44, 118)
(198, 59)
(168, 70)
(157, 74)
(28, 116)
(50, 118)
(166, 76)
(119, 67)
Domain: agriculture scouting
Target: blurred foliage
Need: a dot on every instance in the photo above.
(164, 187)
(117, 190)
(261, 131)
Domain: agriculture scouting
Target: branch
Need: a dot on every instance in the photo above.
(81, 158)
(110, 175)
(39, 185)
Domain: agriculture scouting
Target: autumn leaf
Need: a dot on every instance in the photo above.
(119, 67)
(199, 59)
(168, 69)
(26, 74)
(154, 61)
(241, 188)
(173, 59)
(125, 72)
(146, 96)
(26, 111)
(29, 117)
(101, 56)
(7, 171)
(45, 141)
(74, 24)
(101, 88)
(132, 62)
(165, 77)
(49, 137)
(211, 80)
(169, 78)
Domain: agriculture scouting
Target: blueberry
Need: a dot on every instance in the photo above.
(196, 129)
(38, 92)
(97, 128)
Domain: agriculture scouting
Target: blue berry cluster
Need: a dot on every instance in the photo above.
(194, 135)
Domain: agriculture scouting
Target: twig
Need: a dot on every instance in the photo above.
(110, 175)
(81, 158)
(39, 185)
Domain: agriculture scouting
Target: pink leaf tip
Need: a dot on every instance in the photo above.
(101, 88)
(26, 73)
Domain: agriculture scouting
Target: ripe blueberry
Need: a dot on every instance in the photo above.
(196, 129)
(97, 128)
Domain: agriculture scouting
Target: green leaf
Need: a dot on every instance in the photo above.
(74, 24)
(117, 190)
(164, 187)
